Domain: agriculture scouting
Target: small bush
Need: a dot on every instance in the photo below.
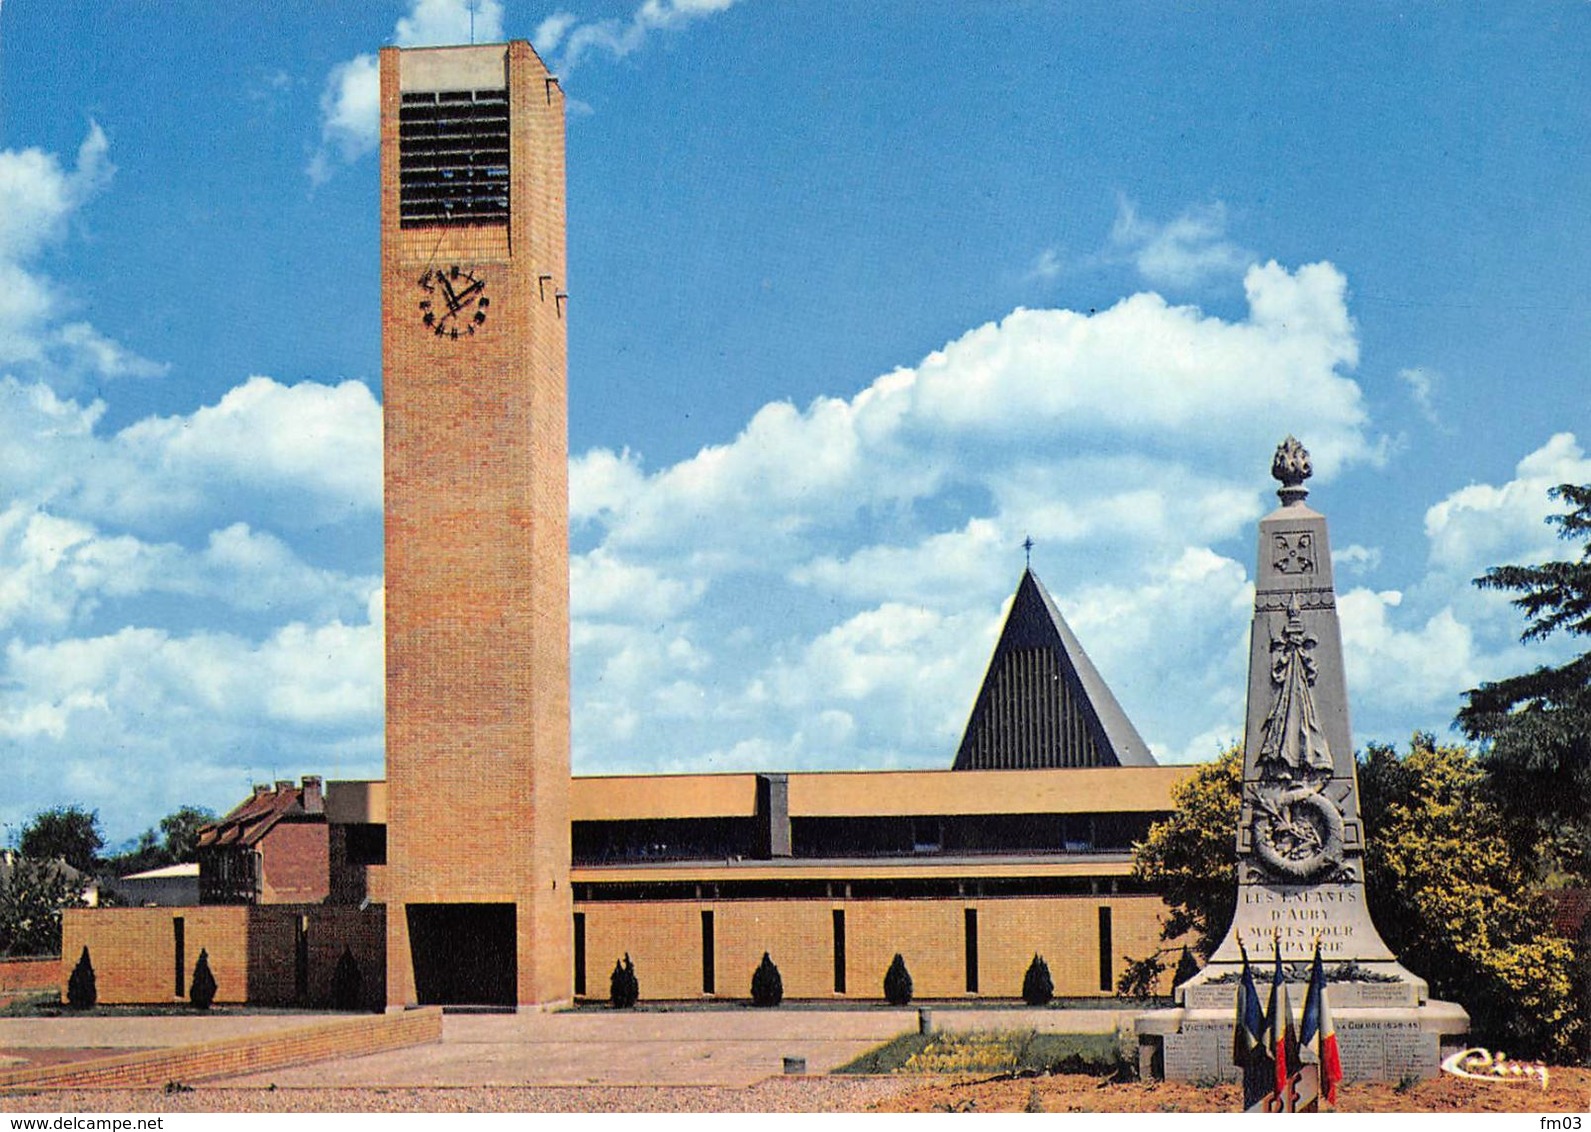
(767, 988)
(1037, 986)
(81, 993)
(346, 982)
(897, 982)
(201, 992)
(624, 989)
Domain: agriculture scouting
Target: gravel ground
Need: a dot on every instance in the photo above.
(778, 1094)
(1569, 1091)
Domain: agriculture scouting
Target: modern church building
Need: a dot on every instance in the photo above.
(479, 872)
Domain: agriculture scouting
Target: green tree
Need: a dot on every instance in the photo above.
(68, 833)
(180, 832)
(1190, 858)
(1448, 891)
(1454, 901)
(31, 900)
(1538, 724)
(175, 842)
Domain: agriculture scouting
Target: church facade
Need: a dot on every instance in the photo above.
(479, 872)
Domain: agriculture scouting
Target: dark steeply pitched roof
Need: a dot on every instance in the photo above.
(1043, 703)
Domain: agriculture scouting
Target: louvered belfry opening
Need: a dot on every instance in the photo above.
(453, 158)
(1034, 716)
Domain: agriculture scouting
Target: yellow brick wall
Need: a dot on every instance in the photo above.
(251, 951)
(663, 939)
(133, 950)
(476, 482)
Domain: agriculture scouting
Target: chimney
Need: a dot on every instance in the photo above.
(283, 784)
(261, 790)
(313, 801)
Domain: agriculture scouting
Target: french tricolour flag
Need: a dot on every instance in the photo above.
(1317, 1026)
(1283, 1039)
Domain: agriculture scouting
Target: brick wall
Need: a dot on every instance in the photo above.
(30, 974)
(476, 483)
(295, 863)
(134, 950)
(252, 951)
(664, 940)
(350, 1037)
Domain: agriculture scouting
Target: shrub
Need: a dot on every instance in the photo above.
(346, 982)
(1037, 986)
(767, 988)
(81, 993)
(897, 982)
(624, 988)
(202, 990)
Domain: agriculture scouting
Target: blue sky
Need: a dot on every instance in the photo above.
(861, 297)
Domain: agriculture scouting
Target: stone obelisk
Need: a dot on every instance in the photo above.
(1300, 839)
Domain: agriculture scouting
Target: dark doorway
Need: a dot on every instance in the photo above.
(464, 954)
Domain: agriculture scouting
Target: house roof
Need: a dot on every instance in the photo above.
(1043, 703)
(251, 820)
(167, 872)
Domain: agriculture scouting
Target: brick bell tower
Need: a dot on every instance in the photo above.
(477, 527)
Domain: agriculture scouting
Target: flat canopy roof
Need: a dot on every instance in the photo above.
(837, 794)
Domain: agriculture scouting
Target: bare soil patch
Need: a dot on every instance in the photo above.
(1568, 1090)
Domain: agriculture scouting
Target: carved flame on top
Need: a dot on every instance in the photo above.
(1291, 466)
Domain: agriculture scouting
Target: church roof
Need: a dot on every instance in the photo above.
(1043, 703)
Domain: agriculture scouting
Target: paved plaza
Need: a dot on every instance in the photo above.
(733, 1046)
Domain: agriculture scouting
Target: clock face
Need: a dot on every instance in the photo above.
(454, 302)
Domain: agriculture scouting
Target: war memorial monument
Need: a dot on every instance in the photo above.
(1300, 838)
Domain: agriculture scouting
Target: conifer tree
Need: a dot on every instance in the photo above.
(767, 988)
(624, 989)
(1538, 723)
(201, 991)
(897, 982)
(1037, 986)
(81, 993)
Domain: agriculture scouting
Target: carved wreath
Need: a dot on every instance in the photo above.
(1298, 831)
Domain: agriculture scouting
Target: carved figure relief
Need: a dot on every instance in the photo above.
(1297, 830)
(1293, 736)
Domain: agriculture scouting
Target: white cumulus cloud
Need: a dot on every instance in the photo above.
(1183, 252)
(39, 197)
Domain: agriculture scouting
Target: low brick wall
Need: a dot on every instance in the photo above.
(29, 974)
(231, 1057)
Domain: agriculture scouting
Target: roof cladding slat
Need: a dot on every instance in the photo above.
(453, 158)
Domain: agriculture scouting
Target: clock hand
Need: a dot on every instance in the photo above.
(447, 288)
(468, 291)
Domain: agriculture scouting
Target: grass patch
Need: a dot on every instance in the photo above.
(991, 1053)
(48, 1004)
(889, 1057)
(30, 1004)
